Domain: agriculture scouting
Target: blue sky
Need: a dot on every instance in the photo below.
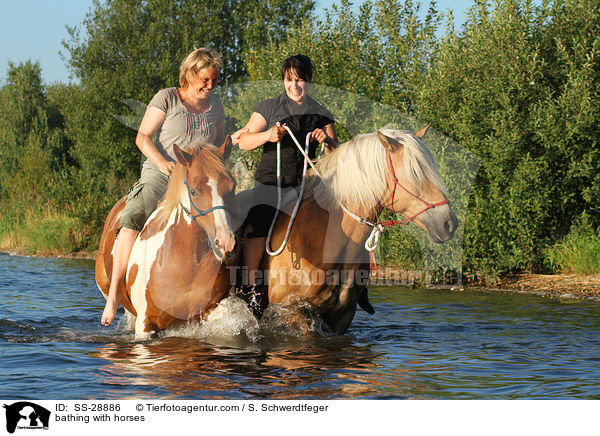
(34, 30)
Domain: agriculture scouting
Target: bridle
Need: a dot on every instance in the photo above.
(200, 212)
(406, 220)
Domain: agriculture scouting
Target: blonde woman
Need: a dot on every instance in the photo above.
(184, 116)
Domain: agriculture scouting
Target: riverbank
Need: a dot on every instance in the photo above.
(555, 286)
(559, 286)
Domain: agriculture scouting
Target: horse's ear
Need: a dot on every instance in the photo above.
(390, 144)
(182, 156)
(225, 149)
(421, 133)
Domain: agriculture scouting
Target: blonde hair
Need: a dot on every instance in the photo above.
(197, 60)
(357, 174)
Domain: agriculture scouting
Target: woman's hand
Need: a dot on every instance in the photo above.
(166, 167)
(235, 137)
(320, 136)
(326, 136)
(276, 133)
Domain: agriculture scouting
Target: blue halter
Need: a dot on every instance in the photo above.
(199, 211)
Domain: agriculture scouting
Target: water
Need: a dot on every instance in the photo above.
(420, 344)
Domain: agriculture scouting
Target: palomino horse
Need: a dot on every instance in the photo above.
(325, 263)
(176, 271)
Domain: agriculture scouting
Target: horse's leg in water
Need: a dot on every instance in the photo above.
(253, 292)
(121, 252)
(363, 301)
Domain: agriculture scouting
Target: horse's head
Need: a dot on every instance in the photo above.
(414, 186)
(208, 193)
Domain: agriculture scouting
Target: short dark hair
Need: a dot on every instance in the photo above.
(301, 64)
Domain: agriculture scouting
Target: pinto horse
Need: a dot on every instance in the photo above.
(325, 263)
(176, 271)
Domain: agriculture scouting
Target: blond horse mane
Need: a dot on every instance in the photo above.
(356, 173)
(212, 166)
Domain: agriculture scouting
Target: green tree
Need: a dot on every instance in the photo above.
(381, 52)
(519, 87)
(32, 144)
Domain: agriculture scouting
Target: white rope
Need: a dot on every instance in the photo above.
(372, 241)
(297, 206)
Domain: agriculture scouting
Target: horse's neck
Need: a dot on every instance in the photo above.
(178, 226)
(359, 231)
(344, 236)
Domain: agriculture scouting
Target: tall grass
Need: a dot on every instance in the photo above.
(40, 231)
(578, 252)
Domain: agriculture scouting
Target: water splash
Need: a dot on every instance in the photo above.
(293, 321)
(233, 321)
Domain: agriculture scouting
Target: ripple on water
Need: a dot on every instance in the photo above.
(419, 344)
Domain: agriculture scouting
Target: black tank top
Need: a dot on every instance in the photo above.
(278, 109)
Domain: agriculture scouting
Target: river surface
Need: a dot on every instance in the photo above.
(427, 344)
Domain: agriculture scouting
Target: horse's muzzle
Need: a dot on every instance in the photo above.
(443, 228)
(223, 246)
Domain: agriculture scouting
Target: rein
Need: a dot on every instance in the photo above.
(200, 212)
(307, 161)
(297, 206)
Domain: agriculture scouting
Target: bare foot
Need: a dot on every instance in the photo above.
(110, 311)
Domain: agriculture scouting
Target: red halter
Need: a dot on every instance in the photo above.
(406, 221)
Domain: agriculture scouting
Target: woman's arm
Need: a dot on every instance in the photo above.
(220, 138)
(256, 135)
(152, 120)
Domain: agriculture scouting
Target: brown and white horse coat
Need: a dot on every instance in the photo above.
(176, 271)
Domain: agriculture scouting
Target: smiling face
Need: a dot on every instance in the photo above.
(295, 87)
(201, 84)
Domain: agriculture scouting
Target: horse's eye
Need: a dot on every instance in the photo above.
(193, 192)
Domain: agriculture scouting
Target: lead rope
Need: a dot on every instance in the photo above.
(297, 206)
(372, 241)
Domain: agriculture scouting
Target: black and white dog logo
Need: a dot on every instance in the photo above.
(26, 415)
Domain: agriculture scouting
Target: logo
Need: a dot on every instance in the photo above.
(26, 415)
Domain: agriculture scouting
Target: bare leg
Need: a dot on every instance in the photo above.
(122, 250)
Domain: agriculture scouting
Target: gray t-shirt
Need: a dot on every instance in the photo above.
(182, 127)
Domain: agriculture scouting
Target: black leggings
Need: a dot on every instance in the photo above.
(264, 207)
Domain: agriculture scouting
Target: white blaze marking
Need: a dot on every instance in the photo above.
(221, 217)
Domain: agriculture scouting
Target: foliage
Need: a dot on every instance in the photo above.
(519, 88)
(28, 146)
(381, 52)
(35, 189)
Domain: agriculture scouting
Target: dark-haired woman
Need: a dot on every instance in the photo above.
(295, 109)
